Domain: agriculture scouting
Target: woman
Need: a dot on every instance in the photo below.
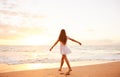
(64, 49)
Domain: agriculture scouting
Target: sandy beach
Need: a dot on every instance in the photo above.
(84, 69)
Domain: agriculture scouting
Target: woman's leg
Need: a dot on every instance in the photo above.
(62, 62)
(67, 62)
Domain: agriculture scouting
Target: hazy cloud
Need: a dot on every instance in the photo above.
(101, 42)
(15, 32)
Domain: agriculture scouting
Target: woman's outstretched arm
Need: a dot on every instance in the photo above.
(75, 41)
(54, 45)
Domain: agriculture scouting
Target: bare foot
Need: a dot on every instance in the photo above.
(70, 70)
(67, 73)
(59, 70)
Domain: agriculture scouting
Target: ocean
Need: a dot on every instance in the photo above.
(41, 54)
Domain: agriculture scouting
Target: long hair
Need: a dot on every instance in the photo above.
(62, 37)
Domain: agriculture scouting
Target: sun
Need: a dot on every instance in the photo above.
(34, 40)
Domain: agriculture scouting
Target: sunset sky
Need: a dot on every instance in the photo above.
(38, 22)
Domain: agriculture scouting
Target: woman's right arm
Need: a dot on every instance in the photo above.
(54, 45)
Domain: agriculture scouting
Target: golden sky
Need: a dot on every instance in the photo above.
(38, 22)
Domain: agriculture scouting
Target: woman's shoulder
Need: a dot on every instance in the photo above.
(68, 37)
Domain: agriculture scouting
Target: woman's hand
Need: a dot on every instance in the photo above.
(54, 45)
(51, 48)
(80, 43)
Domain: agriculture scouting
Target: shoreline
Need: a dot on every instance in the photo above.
(104, 69)
(34, 66)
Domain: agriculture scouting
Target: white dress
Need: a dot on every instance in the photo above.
(64, 49)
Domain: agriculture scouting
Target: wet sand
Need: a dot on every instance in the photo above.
(79, 69)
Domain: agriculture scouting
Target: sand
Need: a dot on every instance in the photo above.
(92, 69)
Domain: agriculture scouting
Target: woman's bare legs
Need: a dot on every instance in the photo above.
(64, 57)
(62, 62)
(67, 62)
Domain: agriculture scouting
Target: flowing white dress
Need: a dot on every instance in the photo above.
(64, 49)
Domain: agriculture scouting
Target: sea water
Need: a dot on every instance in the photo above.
(41, 54)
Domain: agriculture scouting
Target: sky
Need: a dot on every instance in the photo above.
(38, 22)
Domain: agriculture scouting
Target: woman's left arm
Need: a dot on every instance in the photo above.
(75, 41)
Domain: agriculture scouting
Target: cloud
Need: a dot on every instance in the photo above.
(8, 12)
(18, 13)
(16, 23)
(101, 42)
(33, 30)
(90, 30)
(17, 18)
(8, 32)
